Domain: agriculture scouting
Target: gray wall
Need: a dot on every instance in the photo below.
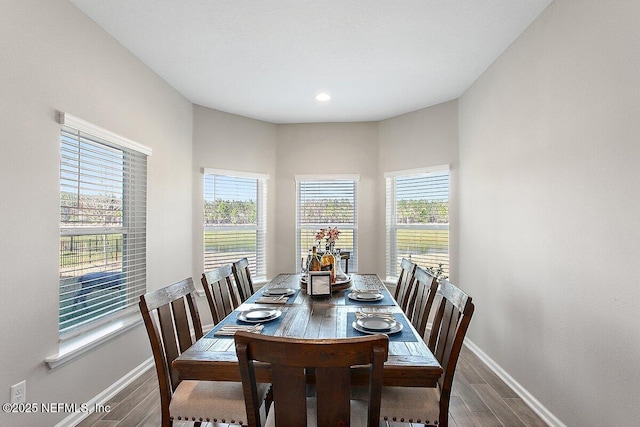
(549, 155)
(54, 58)
(326, 148)
(228, 141)
(369, 149)
(544, 184)
(423, 138)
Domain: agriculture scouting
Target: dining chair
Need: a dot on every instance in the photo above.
(423, 293)
(168, 315)
(346, 256)
(292, 360)
(430, 406)
(221, 292)
(242, 275)
(405, 284)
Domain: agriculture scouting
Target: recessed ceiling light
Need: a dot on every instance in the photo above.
(323, 97)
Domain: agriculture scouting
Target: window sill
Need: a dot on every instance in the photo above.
(71, 348)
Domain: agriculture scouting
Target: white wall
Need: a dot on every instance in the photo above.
(54, 58)
(427, 137)
(327, 148)
(549, 228)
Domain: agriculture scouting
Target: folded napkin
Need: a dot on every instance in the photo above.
(272, 300)
(383, 315)
(228, 330)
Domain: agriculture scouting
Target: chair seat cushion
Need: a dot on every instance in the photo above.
(221, 401)
(410, 404)
(358, 413)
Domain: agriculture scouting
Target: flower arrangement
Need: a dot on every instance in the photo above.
(329, 234)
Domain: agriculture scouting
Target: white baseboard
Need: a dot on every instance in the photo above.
(108, 393)
(526, 397)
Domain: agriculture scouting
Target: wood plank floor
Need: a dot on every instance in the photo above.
(479, 399)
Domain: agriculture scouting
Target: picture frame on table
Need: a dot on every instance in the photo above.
(319, 284)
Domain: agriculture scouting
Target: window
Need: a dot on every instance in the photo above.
(235, 220)
(417, 218)
(327, 201)
(103, 180)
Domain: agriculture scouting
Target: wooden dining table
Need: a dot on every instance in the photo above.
(410, 362)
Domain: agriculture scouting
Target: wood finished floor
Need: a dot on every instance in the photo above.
(479, 399)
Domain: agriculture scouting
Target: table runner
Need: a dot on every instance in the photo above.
(387, 300)
(406, 334)
(269, 327)
(252, 299)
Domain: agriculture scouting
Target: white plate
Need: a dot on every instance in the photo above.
(257, 315)
(303, 279)
(276, 292)
(378, 324)
(393, 330)
(365, 296)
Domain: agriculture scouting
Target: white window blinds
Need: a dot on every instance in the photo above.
(417, 218)
(327, 202)
(102, 225)
(235, 220)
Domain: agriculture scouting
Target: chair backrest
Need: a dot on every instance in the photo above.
(331, 359)
(346, 256)
(423, 293)
(405, 282)
(447, 335)
(243, 278)
(168, 325)
(221, 292)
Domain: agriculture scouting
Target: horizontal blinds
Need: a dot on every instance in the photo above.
(102, 228)
(235, 221)
(417, 219)
(327, 203)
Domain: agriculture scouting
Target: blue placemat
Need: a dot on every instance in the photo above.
(252, 299)
(269, 327)
(387, 300)
(406, 334)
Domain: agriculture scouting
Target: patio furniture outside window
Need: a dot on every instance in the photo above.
(103, 198)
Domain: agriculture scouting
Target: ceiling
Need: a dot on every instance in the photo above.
(269, 59)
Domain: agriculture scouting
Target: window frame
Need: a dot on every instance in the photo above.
(392, 226)
(77, 339)
(259, 269)
(355, 179)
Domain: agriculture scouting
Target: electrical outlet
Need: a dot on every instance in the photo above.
(19, 392)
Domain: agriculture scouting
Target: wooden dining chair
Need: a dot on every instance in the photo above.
(242, 275)
(405, 284)
(430, 406)
(423, 294)
(168, 315)
(346, 256)
(331, 360)
(221, 292)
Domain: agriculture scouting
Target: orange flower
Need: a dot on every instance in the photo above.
(330, 234)
(333, 234)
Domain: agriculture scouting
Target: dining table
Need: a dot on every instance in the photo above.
(410, 363)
